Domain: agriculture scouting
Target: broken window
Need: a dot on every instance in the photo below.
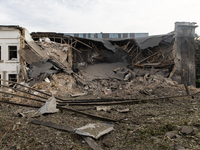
(12, 77)
(12, 54)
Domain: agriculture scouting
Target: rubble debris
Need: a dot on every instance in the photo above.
(30, 88)
(108, 91)
(49, 57)
(95, 130)
(29, 114)
(64, 108)
(123, 110)
(103, 108)
(89, 60)
(90, 141)
(78, 94)
(48, 107)
(40, 67)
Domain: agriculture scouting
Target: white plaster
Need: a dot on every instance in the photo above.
(9, 37)
(28, 36)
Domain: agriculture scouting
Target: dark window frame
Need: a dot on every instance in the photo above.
(13, 49)
(14, 79)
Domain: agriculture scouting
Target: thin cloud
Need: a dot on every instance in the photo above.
(154, 17)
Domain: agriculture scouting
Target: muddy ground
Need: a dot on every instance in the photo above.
(146, 126)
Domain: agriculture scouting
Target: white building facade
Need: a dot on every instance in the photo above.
(9, 58)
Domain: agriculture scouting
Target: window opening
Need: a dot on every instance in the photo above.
(12, 55)
(12, 77)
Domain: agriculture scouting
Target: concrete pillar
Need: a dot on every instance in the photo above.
(184, 48)
(4, 77)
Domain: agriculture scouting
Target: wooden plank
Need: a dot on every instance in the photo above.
(138, 65)
(127, 45)
(130, 48)
(54, 125)
(92, 143)
(75, 49)
(89, 114)
(146, 58)
(151, 64)
(31, 88)
(23, 97)
(137, 55)
(23, 91)
(83, 43)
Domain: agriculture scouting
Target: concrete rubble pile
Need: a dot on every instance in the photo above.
(118, 68)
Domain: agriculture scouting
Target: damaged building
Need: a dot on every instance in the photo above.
(100, 58)
(88, 59)
(113, 93)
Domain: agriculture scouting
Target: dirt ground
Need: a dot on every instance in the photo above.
(146, 126)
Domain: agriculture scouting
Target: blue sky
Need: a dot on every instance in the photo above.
(94, 16)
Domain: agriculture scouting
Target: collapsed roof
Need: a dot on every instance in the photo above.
(98, 58)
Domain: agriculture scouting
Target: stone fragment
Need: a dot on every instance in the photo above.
(178, 147)
(187, 130)
(171, 134)
(108, 143)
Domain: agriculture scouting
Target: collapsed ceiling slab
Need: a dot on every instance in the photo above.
(155, 40)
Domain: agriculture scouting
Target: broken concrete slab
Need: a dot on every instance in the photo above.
(48, 107)
(38, 68)
(95, 130)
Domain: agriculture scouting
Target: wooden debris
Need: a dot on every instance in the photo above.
(146, 58)
(83, 43)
